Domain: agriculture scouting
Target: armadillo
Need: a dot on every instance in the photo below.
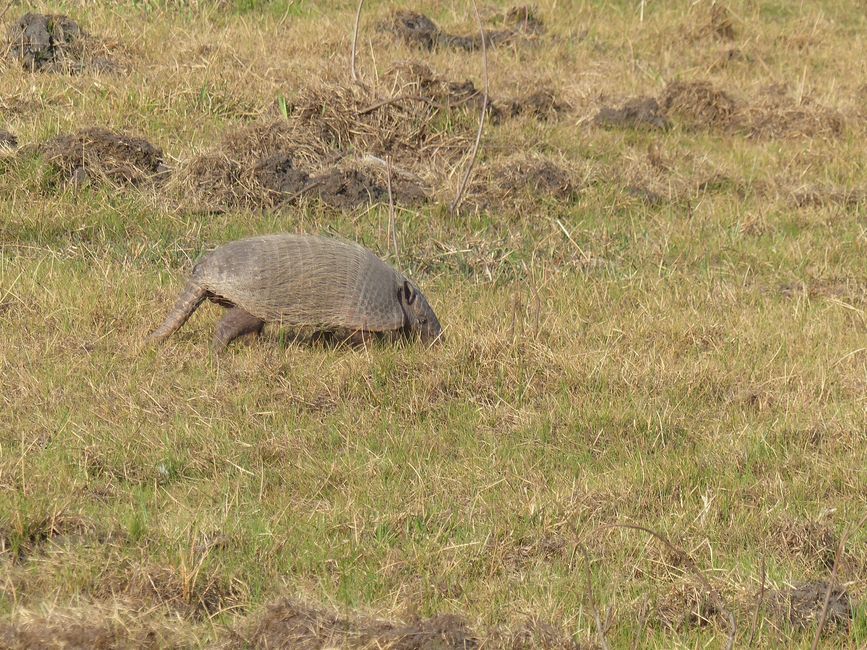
(303, 281)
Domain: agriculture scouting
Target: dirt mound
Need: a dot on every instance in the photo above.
(288, 624)
(270, 164)
(801, 606)
(778, 115)
(417, 30)
(347, 189)
(55, 43)
(44, 41)
(8, 141)
(519, 181)
(418, 80)
(280, 174)
(543, 104)
(328, 128)
(99, 154)
(698, 104)
(91, 626)
(636, 113)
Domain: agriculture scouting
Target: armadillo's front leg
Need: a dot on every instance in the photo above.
(235, 323)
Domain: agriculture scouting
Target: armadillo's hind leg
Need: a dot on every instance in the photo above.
(193, 296)
(235, 323)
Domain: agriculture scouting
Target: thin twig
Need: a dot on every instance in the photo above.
(296, 195)
(5, 9)
(645, 611)
(392, 225)
(758, 606)
(592, 601)
(691, 565)
(837, 557)
(352, 70)
(475, 152)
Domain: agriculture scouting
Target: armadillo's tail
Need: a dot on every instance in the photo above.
(193, 296)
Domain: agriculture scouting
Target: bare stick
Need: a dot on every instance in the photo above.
(352, 70)
(645, 611)
(475, 152)
(5, 9)
(758, 606)
(592, 601)
(392, 225)
(837, 556)
(691, 565)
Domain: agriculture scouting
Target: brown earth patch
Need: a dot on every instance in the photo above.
(292, 625)
(801, 606)
(699, 104)
(55, 43)
(99, 154)
(417, 30)
(543, 104)
(350, 188)
(636, 113)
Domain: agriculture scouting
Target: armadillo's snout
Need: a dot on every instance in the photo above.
(431, 331)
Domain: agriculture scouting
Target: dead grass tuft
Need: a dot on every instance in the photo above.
(23, 536)
(686, 604)
(811, 541)
(535, 634)
(717, 22)
(189, 590)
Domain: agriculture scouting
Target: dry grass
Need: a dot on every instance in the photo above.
(657, 326)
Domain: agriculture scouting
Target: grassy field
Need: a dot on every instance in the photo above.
(658, 327)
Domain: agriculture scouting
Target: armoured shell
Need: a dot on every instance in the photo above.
(307, 281)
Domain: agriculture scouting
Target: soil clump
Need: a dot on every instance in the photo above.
(417, 30)
(289, 624)
(56, 43)
(99, 154)
(636, 113)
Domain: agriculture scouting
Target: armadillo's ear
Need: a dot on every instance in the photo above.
(408, 292)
